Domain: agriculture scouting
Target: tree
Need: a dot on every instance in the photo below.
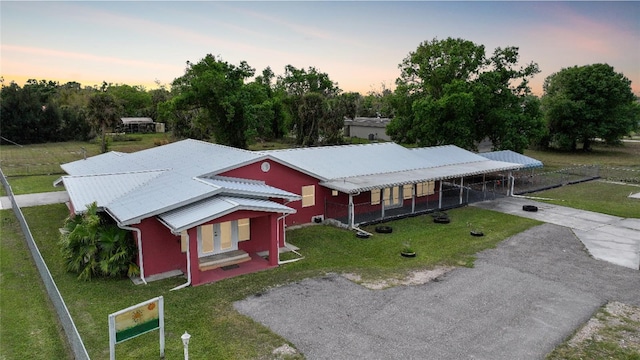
(218, 88)
(307, 92)
(103, 112)
(93, 247)
(449, 92)
(582, 103)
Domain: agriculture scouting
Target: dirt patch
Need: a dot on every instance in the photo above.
(616, 322)
(416, 277)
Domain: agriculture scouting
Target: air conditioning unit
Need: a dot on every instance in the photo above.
(317, 219)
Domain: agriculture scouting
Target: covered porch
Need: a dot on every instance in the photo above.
(403, 194)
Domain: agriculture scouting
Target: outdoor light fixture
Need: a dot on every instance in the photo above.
(185, 341)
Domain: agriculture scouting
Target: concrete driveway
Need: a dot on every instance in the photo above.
(609, 238)
(27, 200)
(519, 302)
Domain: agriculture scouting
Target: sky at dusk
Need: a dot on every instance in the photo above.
(358, 44)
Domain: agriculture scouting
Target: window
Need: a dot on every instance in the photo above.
(375, 196)
(334, 192)
(244, 230)
(407, 191)
(308, 195)
(425, 188)
(184, 241)
(391, 196)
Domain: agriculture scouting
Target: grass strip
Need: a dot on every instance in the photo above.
(30, 329)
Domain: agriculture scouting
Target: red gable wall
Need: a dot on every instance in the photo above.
(288, 179)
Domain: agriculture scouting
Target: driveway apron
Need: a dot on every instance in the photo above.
(609, 238)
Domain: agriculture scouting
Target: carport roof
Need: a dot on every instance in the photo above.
(353, 185)
(513, 157)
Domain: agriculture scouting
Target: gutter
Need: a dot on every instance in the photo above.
(188, 266)
(140, 261)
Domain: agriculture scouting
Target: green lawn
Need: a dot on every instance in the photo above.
(206, 312)
(598, 196)
(626, 155)
(34, 184)
(29, 327)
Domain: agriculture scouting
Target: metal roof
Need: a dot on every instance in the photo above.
(206, 210)
(136, 120)
(103, 189)
(190, 157)
(332, 162)
(353, 185)
(513, 157)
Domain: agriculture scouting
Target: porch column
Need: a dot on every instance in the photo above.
(440, 196)
(510, 184)
(193, 250)
(461, 189)
(274, 247)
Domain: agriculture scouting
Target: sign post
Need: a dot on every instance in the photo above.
(135, 321)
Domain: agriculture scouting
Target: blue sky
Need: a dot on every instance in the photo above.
(359, 44)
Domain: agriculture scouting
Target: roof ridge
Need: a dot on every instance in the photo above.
(267, 152)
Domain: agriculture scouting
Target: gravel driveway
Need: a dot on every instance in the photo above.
(518, 302)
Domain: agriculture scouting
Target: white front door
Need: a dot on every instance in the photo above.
(218, 238)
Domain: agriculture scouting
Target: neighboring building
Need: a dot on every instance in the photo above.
(211, 211)
(367, 128)
(140, 125)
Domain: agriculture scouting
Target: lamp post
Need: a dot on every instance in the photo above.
(185, 341)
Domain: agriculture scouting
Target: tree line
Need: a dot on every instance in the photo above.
(449, 91)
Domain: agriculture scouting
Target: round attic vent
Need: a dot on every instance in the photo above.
(265, 166)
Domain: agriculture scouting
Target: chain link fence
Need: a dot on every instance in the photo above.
(70, 330)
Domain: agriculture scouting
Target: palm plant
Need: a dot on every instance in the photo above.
(91, 247)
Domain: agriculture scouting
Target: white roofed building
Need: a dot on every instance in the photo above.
(211, 211)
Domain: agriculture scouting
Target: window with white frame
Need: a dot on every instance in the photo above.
(308, 195)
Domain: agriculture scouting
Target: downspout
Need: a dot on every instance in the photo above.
(440, 196)
(352, 215)
(140, 261)
(284, 241)
(188, 266)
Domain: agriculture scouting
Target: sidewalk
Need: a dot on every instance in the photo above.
(27, 200)
(609, 238)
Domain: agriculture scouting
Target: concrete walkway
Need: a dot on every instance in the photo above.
(27, 200)
(609, 238)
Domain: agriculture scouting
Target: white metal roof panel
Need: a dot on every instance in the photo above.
(331, 162)
(446, 155)
(206, 210)
(513, 157)
(103, 189)
(166, 192)
(365, 183)
(190, 157)
(236, 186)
